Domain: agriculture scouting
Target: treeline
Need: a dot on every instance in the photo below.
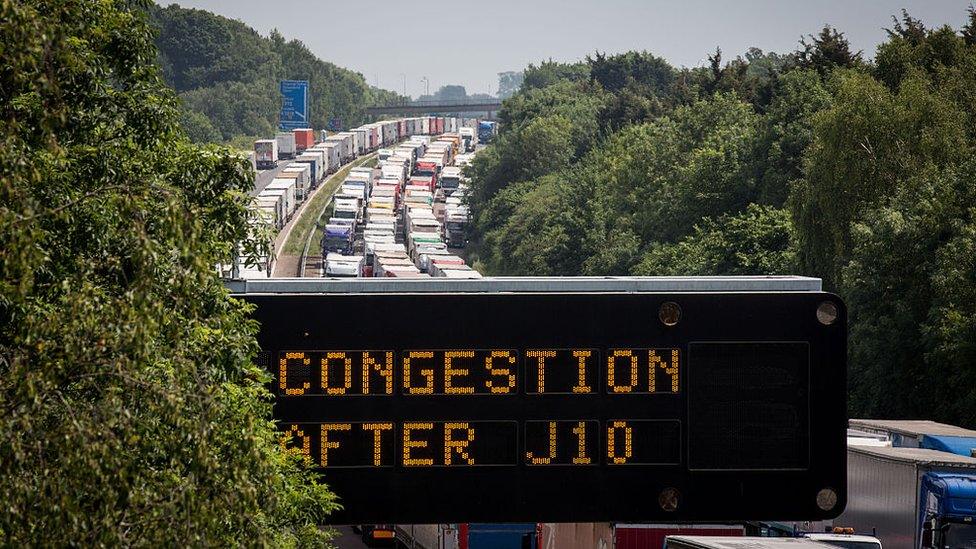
(227, 76)
(816, 162)
(133, 414)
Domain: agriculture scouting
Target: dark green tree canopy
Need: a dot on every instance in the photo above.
(815, 162)
(227, 72)
(132, 413)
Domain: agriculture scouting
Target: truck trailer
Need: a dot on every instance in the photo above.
(919, 434)
(266, 153)
(304, 139)
(911, 498)
(286, 144)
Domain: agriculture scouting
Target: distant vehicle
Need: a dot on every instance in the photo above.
(732, 542)
(928, 496)
(338, 239)
(378, 535)
(486, 131)
(470, 535)
(450, 180)
(456, 228)
(347, 209)
(286, 144)
(266, 152)
(640, 536)
(343, 266)
(918, 434)
(469, 138)
(304, 138)
(846, 541)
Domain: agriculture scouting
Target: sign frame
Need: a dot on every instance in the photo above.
(737, 311)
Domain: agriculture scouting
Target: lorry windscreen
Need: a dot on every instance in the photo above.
(450, 182)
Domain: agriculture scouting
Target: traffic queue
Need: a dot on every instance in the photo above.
(398, 218)
(404, 162)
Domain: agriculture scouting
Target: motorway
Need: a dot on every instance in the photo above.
(264, 177)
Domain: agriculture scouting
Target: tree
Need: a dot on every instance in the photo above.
(911, 47)
(198, 127)
(909, 289)
(787, 131)
(226, 71)
(132, 412)
(451, 92)
(864, 148)
(969, 29)
(757, 241)
(826, 51)
(509, 82)
(550, 72)
(618, 71)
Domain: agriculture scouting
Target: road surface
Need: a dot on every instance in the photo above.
(265, 177)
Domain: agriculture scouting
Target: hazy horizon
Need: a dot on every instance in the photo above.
(477, 41)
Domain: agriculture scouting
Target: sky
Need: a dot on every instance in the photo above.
(468, 43)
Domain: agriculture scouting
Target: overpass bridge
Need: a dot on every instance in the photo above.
(434, 107)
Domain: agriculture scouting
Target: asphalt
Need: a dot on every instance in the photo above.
(265, 177)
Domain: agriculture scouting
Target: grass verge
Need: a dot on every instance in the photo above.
(306, 223)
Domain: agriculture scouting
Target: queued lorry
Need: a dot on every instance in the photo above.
(400, 207)
(343, 266)
(286, 145)
(733, 542)
(338, 238)
(304, 139)
(486, 131)
(469, 138)
(266, 153)
(469, 536)
(911, 483)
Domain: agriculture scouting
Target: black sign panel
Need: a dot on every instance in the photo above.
(569, 407)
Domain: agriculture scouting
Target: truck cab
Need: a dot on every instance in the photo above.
(456, 228)
(949, 511)
(450, 180)
(338, 239)
(347, 209)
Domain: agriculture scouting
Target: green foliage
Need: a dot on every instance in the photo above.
(509, 82)
(758, 240)
(786, 132)
(828, 50)
(885, 215)
(132, 414)
(550, 72)
(911, 46)
(226, 71)
(198, 127)
(865, 146)
(538, 236)
(564, 113)
(814, 162)
(909, 286)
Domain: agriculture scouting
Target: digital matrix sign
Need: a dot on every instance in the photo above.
(431, 407)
